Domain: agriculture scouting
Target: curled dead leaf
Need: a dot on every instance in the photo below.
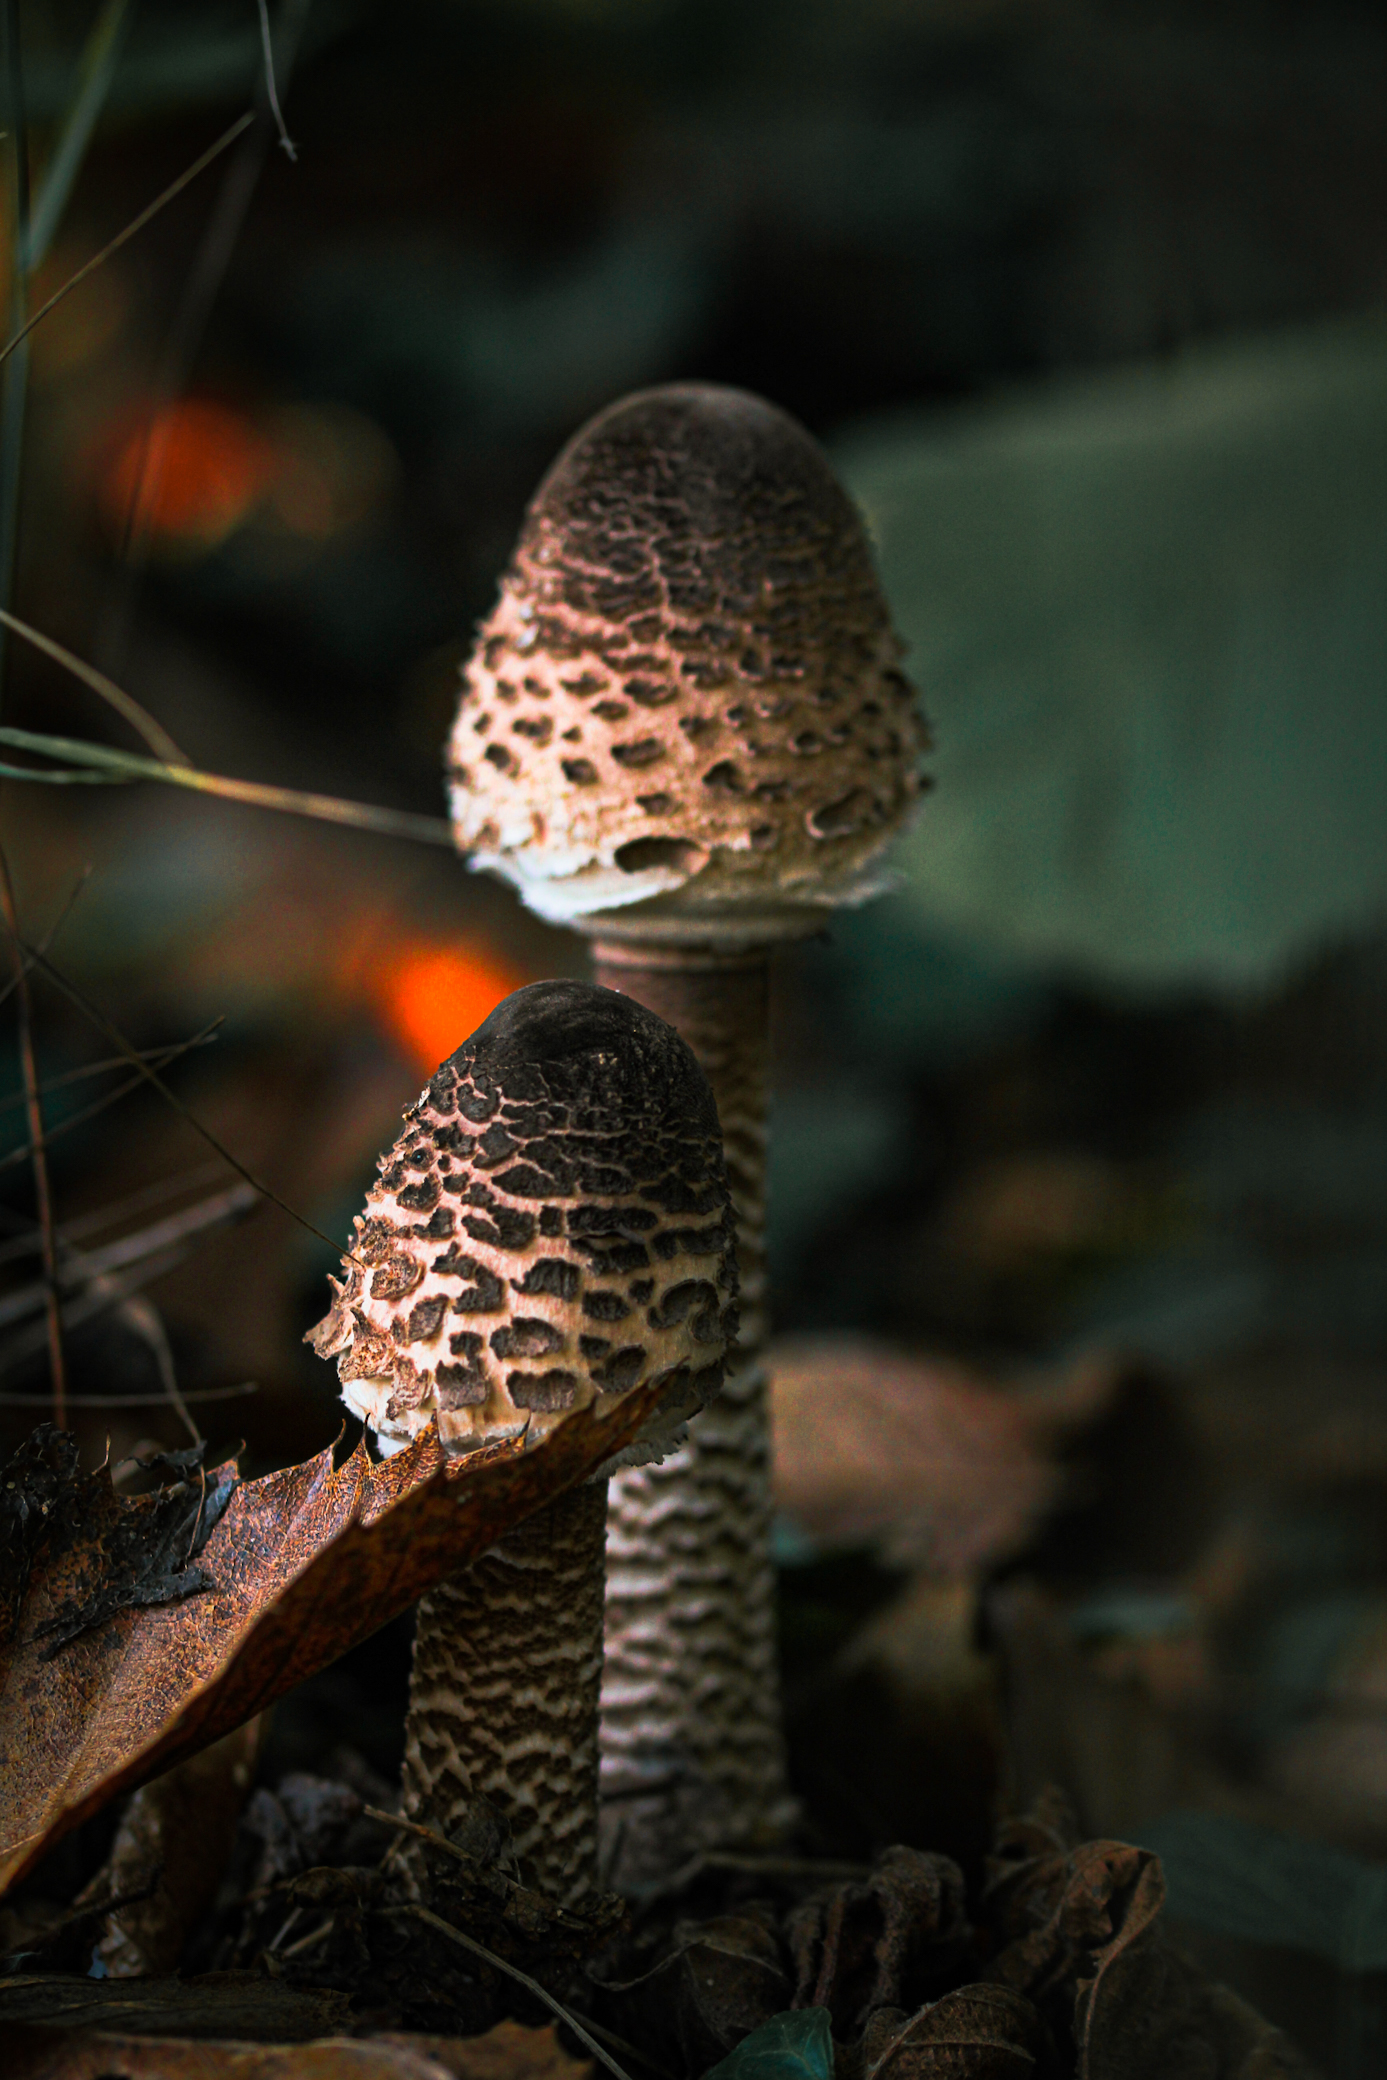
(1081, 1937)
(177, 1832)
(923, 1457)
(975, 2033)
(508, 2052)
(888, 1941)
(722, 1979)
(301, 1566)
(223, 2005)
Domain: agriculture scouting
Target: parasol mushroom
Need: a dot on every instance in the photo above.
(684, 731)
(551, 1231)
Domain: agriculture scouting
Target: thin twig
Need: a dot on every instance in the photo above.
(103, 1295)
(513, 1971)
(88, 1267)
(311, 1940)
(34, 1108)
(236, 1393)
(14, 403)
(57, 779)
(160, 1056)
(144, 1318)
(122, 1090)
(201, 1505)
(201, 288)
(140, 720)
(609, 2036)
(289, 149)
(117, 1038)
(148, 1195)
(295, 1914)
(137, 1312)
(138, 223)
(511, 1886)
(53, 930)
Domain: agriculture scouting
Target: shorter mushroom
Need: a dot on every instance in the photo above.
(551, 1232)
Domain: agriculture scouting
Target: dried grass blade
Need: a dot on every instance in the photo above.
(228, 137)
(237, 1393)
(327, 808)
(118, 1040)
(287, 146)
(125, 704)
(61, 779)
(53, 930)
(79, 1119)
(513, 1971)
(99, 59)
(160, 1056)
(38, 1149)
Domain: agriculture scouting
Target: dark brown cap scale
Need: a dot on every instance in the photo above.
(550, 1232)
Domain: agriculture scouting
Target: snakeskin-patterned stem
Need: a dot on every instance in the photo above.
(503, 1697)
(692, 1746)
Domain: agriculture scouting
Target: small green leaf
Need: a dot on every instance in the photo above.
(795, 2046)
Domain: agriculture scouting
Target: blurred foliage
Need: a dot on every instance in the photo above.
(1149, 619)
(1244, 1880)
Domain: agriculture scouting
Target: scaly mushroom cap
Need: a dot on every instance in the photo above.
(551, 1231)
(690, 681)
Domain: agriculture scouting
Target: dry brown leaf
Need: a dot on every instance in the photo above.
(891, 1940)
(176, 1833)
(1122, 1759)
(1082, 1938)
(722, 1979)
(223, 2005)
(303, 1565)
(508, 2052)
(924, 1457)
(975, 2033)
(44, 2054)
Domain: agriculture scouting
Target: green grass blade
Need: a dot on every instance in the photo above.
(60, 779)
(98, 69)
(115, 766)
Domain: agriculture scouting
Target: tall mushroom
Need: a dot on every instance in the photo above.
(684, 731)
(552, 1230)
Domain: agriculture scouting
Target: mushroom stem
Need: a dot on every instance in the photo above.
(692, 1746)
(503, 1695)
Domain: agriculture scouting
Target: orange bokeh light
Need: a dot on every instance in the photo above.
(198, 468)
(430, 997)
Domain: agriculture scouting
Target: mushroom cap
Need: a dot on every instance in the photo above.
(688, 695)
(551, 1231)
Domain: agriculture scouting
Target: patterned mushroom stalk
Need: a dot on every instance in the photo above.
(684, 730)
(552, 1231)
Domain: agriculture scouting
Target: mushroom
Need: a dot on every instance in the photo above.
(684, 730)
(552, 1231)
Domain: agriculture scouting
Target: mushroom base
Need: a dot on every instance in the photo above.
(503, 1697)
